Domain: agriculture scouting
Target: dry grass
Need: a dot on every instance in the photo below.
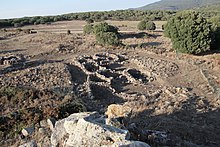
(76, 26)
(59, 27)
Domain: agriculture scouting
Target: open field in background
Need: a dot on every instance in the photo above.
(59, 27)
(77, 26)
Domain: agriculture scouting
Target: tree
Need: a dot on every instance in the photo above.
(105, 27)
(106, 34)
(150, 25)
(88, 29)
(216, 32)
(89, 21)
(189, 32)
(108, 38)
(142, 25)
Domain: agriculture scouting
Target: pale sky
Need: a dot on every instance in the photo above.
(21, 8)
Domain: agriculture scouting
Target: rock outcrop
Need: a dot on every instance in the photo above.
(90, 129)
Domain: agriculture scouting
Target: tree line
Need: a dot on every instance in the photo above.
(96, 16)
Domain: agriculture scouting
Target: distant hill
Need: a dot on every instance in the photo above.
(210, 8)
(178, 4)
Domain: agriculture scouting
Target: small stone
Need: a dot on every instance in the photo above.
(178, 89)
(27, 131)
(51, 123)
(127, 143)
(29, 144)
(43, 123)
(143, 97)
(42, 131)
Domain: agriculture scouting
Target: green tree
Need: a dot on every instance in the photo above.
(89, 21)
(105, 27)
(150, 25)
(189, 32)
(216, 32)
(88, 29)
(106, 34)
(108, 38)
(142, 25)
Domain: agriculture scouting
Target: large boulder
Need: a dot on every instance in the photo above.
(89, 129)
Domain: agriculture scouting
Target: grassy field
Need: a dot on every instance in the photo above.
(77, 26)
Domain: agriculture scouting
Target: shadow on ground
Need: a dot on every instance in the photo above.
(11, 51)
(143, 45)
(186, 127)
(135, 35)
(211, 52)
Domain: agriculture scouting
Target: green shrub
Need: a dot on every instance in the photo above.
(107, 38)
(189, 32)
(150, 25)
(105, 27)
(88, 29)
(216, 32)
(215, 20)
(105, 34)
(89, 21)
(142, 25)
(215, 37)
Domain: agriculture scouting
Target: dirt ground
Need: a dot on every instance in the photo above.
(167, 91)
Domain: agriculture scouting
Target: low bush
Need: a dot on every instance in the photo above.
(216, 32)
(107, 38)
(88, 29)
(150, 25)
(105, 27)
(146, 25)
(89, 21)
(142, 25)
(105, 34)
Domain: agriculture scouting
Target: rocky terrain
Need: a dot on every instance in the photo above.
(160, 98)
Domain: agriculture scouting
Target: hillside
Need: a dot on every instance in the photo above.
(210, 8)
(178, 4)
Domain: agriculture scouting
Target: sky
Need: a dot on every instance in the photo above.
(22, 8)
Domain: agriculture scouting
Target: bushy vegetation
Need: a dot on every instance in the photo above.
(178, 5)
(146, 25)
(189, 32)
(89, 21)
(108, 38)
(105, 34)
(150, 25)
(216, 31)
(88, 16)
(142, 25)
(105, 27)
(88, 29)
(27, 114)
